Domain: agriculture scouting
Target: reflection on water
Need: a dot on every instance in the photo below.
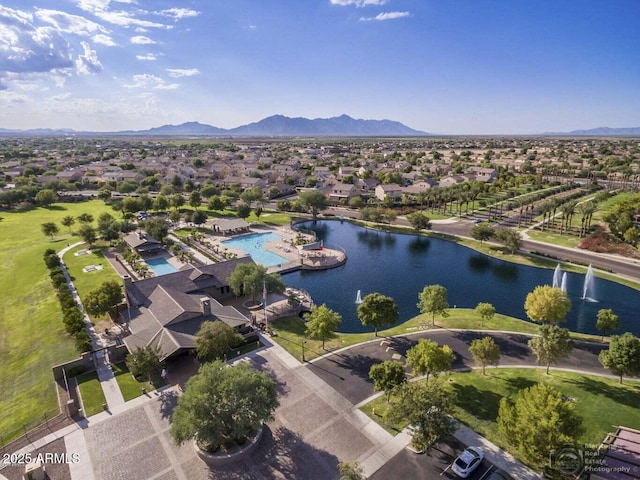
(400, 266)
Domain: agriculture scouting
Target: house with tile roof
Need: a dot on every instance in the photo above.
(167, 311)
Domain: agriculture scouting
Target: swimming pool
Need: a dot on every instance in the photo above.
(253, 245)
(160, 266)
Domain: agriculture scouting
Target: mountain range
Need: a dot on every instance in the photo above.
(274, 126)
(601, 131)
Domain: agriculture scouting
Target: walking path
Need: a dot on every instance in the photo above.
(112, 393)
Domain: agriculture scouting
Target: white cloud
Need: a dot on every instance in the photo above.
(142, 40)
(381, 17)
(147, 57)
(178, 13)
(68, 23)
(358, 3)
(147, 80)
(100, 8)
(26, 48)
(88, 63)
(183, 72)
(104, 40)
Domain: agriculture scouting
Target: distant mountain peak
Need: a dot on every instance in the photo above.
(277, 125)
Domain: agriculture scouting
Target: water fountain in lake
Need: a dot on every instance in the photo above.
(563, 283)
(358, 298)
(557, 277)
(588, 291)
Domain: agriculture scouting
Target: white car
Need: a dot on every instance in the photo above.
(467, 462)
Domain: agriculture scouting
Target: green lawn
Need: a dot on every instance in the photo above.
(87, 281)
(129, 386)
(555, 238)
(91, 392)
(32, 336)
(600, 402)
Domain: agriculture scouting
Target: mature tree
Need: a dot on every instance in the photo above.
(85, 218)
(223, 405)
(87, 233)
(161, 203)
(199, 217)
(486, 312)
(49, 229)
(351, 471)
(313, 201)
(104, 194)
(243, 210)
(157, 227)
(108, 227)
(46, 197)
(552, 344)
(68, 221)
(539, 420)
(195, 199)
(174, 216)
(482, 232)
(387, 376)
(510, 238)
(215, 203)
(177, 200)
(132, 205)
(427, 357)
(378, 310)
(251, 278)
(104, 298)
(485, 352)
(429, 408)
(419, 221)
(607, 321)
(322, 322)
(433, 300)
(547, 304)
(623, 355)
(214, 339)
(145, 363)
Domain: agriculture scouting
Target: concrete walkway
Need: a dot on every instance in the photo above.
(108, 382)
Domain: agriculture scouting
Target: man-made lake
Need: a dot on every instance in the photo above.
(400, 266)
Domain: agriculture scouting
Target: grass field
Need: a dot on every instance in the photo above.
(600, 402)
(87, 281)
(91, 393)
(32, 337)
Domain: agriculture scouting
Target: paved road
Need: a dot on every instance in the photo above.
(348, 371)
(622, 266)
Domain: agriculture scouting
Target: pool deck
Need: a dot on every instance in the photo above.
(285, 247)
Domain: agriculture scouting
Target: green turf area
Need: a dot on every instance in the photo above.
(600, 402)
(555, 238)
(32, 336)
(87, 281)
(129, 386)
(91, 392)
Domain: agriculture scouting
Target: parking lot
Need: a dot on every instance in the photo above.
(433, 465)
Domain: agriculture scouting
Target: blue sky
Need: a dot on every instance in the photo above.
(442, 66)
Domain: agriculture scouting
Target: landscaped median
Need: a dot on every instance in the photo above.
(290, 331)
(600, 402)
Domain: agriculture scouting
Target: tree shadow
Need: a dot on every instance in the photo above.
(623, 396)
(168, 402)
(358, 365)
(281, 454)
(482, 404)
(519, 383)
